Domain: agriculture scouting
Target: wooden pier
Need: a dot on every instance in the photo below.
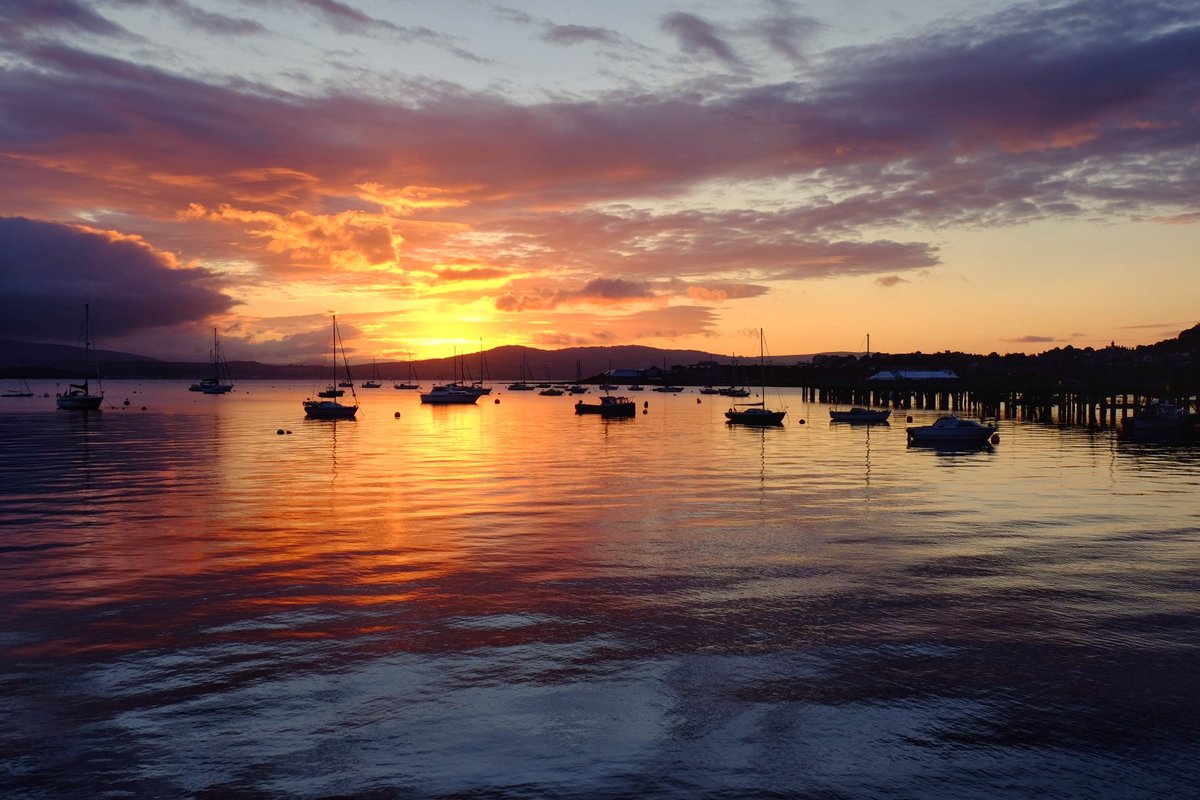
(1093, 407)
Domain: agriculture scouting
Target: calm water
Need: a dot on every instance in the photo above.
(507, 600)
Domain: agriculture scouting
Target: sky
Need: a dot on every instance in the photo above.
(450, 174)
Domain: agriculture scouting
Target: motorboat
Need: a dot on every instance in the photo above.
(950, 429)
(1157, 416)
(448, 396)
(671, 389)
(860, 415)
(609, 407)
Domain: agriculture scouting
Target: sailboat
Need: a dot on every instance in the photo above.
(79, 396)
(479, 387)
(577, 387)
(329, 408)
(756, 413)
(221, 381)
(22, 390)
(410, 383)
(374, 383)
(522, 385)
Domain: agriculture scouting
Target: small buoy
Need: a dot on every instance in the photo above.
(496, 401)
(908, 418)
(995, 438)
(801, 422)
(645, 404)
(697, 401)
(279, 432)
(645, 411)
(289, 433)
(143, 408)
(397, 415)
(126, 402)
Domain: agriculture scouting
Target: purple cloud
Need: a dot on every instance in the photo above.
(579, 34)
(49, 271)
(697, 35)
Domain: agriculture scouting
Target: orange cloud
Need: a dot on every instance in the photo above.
(353, 241)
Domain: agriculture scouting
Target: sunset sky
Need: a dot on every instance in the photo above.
(979, 176)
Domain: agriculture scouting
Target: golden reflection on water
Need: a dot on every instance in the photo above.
(733, 596)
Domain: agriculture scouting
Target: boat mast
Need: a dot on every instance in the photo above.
(762, 369)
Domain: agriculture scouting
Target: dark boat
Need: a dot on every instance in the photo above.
(609, 407)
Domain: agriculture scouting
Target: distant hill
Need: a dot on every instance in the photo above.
(505, 363)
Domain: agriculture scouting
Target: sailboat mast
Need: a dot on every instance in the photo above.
(762, 368)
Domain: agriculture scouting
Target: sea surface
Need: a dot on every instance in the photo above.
(206, 597)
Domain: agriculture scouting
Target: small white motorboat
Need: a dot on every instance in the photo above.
(953, 430)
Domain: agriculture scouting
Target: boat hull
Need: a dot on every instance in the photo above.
(80, 402)
(328, 409)
(757, 417)
(951, 430)
(614, 409)
(860, 415)
(443, 397)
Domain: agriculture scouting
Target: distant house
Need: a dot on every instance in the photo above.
(914, 375)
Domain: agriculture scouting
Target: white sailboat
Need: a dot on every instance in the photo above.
(756, 413)
(79, 396)
(328, 407)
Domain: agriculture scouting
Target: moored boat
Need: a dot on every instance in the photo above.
(860, 415)
(328, 408)
(609, 407)
(221, 380)
(448, 396)
(756, 413)
(21, 390)
(1158, 415)
(950, 429)
(374, 382)
(79, 396)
